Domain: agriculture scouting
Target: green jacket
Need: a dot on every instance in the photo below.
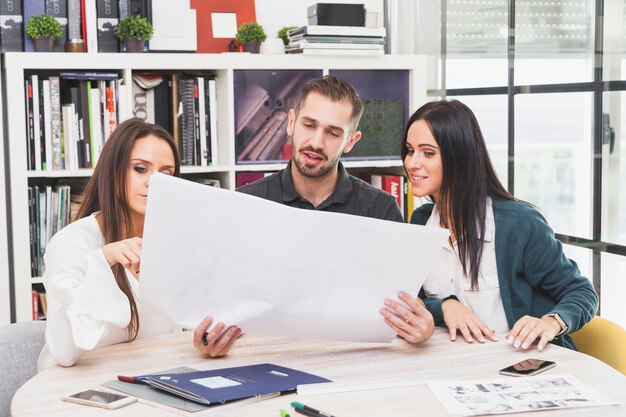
(535, 276)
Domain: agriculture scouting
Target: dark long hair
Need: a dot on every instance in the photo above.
(468, 177)
(106, 192)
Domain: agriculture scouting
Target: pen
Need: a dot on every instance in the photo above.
(309, 411)
(284, 413)
(204, 341)
(132, 379)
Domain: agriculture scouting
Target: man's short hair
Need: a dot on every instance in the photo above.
(335, 89)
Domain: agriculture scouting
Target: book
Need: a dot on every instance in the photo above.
(11, 26)
(376, 40)
(30, 125)
(35, 303)
(74, 28)
(212, 121)
(56, 131)
(90, 25)
(36, 120)
(305, 44)
(219, 386)
(330, 51)
(338, 31)
(247, 177)
(107, 22)
(394, 185)
(89, 75)
(46, 114)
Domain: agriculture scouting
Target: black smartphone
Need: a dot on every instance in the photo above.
(528, 367)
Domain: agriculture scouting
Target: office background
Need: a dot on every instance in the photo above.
(546, 80)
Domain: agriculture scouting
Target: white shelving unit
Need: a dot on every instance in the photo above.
(15, 65)
(5, 279)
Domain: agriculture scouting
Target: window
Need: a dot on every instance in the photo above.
(547, 81)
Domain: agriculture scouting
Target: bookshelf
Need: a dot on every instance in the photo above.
(5, 289)
(16, 66)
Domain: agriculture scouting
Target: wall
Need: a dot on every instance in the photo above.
(293, 12)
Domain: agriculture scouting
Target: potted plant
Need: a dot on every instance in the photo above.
(134, 30)
(44, 29)
(282, 33)
(251, 35)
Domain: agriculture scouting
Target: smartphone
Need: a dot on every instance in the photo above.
(528, 367)
(100, 399)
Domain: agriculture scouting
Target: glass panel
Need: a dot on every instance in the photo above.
(385, 94)
(553, 41)
(553, 158)
(476, 43)
(614, 59)
(614, 168)
(262, 100)
(613, 288)
(491, 113)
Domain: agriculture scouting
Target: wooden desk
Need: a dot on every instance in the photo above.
(335, 360)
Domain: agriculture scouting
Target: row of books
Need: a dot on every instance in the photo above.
(186, 106)
(39, 305)
(397, 186)
(50, 208)
(336, 40)
(69, 117)
(92, 21)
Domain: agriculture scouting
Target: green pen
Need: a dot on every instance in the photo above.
(284, 413)
(309, 411)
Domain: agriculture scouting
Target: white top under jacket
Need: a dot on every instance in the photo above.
(447, 277)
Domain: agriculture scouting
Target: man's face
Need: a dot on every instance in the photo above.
(320, 133)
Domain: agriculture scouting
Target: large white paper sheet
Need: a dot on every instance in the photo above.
(273, 269)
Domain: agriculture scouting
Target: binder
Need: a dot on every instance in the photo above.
(219, 386)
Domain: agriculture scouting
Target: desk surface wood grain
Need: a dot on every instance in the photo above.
(338, 361)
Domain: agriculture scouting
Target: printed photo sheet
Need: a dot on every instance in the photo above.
(516, 394)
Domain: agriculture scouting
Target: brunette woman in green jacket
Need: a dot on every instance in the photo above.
(502, 271)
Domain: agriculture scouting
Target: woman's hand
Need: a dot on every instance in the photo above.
(214, 343)
(528, 329)
(459, 317)
(125, 252)
(410, 320)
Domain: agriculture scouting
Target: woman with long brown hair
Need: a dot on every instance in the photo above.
(502, 271)
(93, 265)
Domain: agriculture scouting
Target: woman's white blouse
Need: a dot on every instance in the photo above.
(86, 308)
(447, 277)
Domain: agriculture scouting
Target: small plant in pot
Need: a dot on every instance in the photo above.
(283, 34)
(134, 30)
(251, 35)
(44, 29)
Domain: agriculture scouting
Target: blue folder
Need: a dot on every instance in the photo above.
(218, 386)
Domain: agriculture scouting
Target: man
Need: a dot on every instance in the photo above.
(322, 127)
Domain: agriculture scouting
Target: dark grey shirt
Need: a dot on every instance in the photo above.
(351, 195)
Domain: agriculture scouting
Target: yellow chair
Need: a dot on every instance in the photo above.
(604, 340)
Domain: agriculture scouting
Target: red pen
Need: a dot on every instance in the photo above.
(132, 379)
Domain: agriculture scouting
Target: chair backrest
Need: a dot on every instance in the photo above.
(20, 345)
(604, 340)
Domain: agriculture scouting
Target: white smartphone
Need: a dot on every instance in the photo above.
(100, 399)
(528, 367)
